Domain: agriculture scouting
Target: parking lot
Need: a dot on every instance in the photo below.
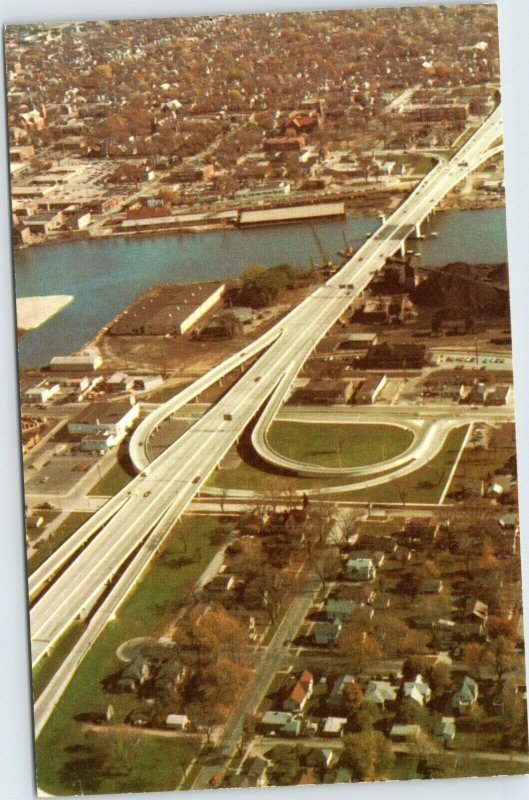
(57, 473)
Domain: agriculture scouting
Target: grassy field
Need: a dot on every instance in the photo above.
(64, 531)
(107, 761)
(338, 445)
(425, 485)
(115, 479)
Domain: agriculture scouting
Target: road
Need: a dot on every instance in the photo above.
(174, 478)
(266, 668)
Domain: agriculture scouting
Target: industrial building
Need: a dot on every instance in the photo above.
(291, 213)
(173, 312)
(103, 425)
(81, 363)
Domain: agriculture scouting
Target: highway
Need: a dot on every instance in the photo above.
(164, 491)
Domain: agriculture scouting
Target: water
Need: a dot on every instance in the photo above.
(105, 275)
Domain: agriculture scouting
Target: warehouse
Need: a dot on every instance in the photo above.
(291, 214)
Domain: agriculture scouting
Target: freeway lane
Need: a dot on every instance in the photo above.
(177, 475)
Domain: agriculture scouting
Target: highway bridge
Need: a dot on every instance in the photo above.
(145, 511)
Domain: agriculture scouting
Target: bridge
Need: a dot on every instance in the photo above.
(130, 528)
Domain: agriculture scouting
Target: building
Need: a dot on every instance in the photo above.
(335, 698)
(327, 633)
(379, 693)
(333, 726)
(464, 699)
(179, 722)
(42, 392)
(282, 722)
(445, 729)
(418, 690)
(360, 569)
(81, 363)
(174, 312)
(276, 216)
(297, 694)
(370, 389)
(103, 425)
(405, 733)
(325, 392)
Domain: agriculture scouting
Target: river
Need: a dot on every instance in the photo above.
(105, 275)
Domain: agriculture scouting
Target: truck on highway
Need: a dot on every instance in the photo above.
(145, 472)
(228, 417)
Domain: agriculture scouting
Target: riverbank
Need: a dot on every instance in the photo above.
(368, 204)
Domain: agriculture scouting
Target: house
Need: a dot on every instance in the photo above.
(178, 722)
(335, 697)
(360, 569)
(475, 609)
(282, 722)
(445, 729)
(508, 522)
(379, 693)
(405, 733)
(418, 690)
(134, 675)
(333, 726)
(327, 633)
(296, 695)
(465, 698)
(254, 769)
(221, 588)
(320, 757)
(340, 609)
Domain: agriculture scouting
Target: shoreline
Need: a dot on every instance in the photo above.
(457, 204)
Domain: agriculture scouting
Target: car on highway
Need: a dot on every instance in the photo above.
(196, 479)
(147, 493)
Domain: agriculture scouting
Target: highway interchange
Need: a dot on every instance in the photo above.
(137, 519)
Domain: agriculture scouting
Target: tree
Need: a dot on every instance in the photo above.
(368, 755)
(327, 565)
(352, 697)
(499, 654)
(414, 665)
(360, 649)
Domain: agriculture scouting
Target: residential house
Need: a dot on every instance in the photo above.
(254, 770)
(405, 733)
(327, 633)
(360, 569)
(475, 609)
(282, 722)
(298, 693)
(418, 690)
(465, 698)
(340, 609)
(445, 729)
(333, 726)
(335, 698)
(379, 693)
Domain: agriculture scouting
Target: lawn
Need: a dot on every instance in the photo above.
(425, 485)
(338, 445)
(110, 484)
(48, 546)
(66, 753)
